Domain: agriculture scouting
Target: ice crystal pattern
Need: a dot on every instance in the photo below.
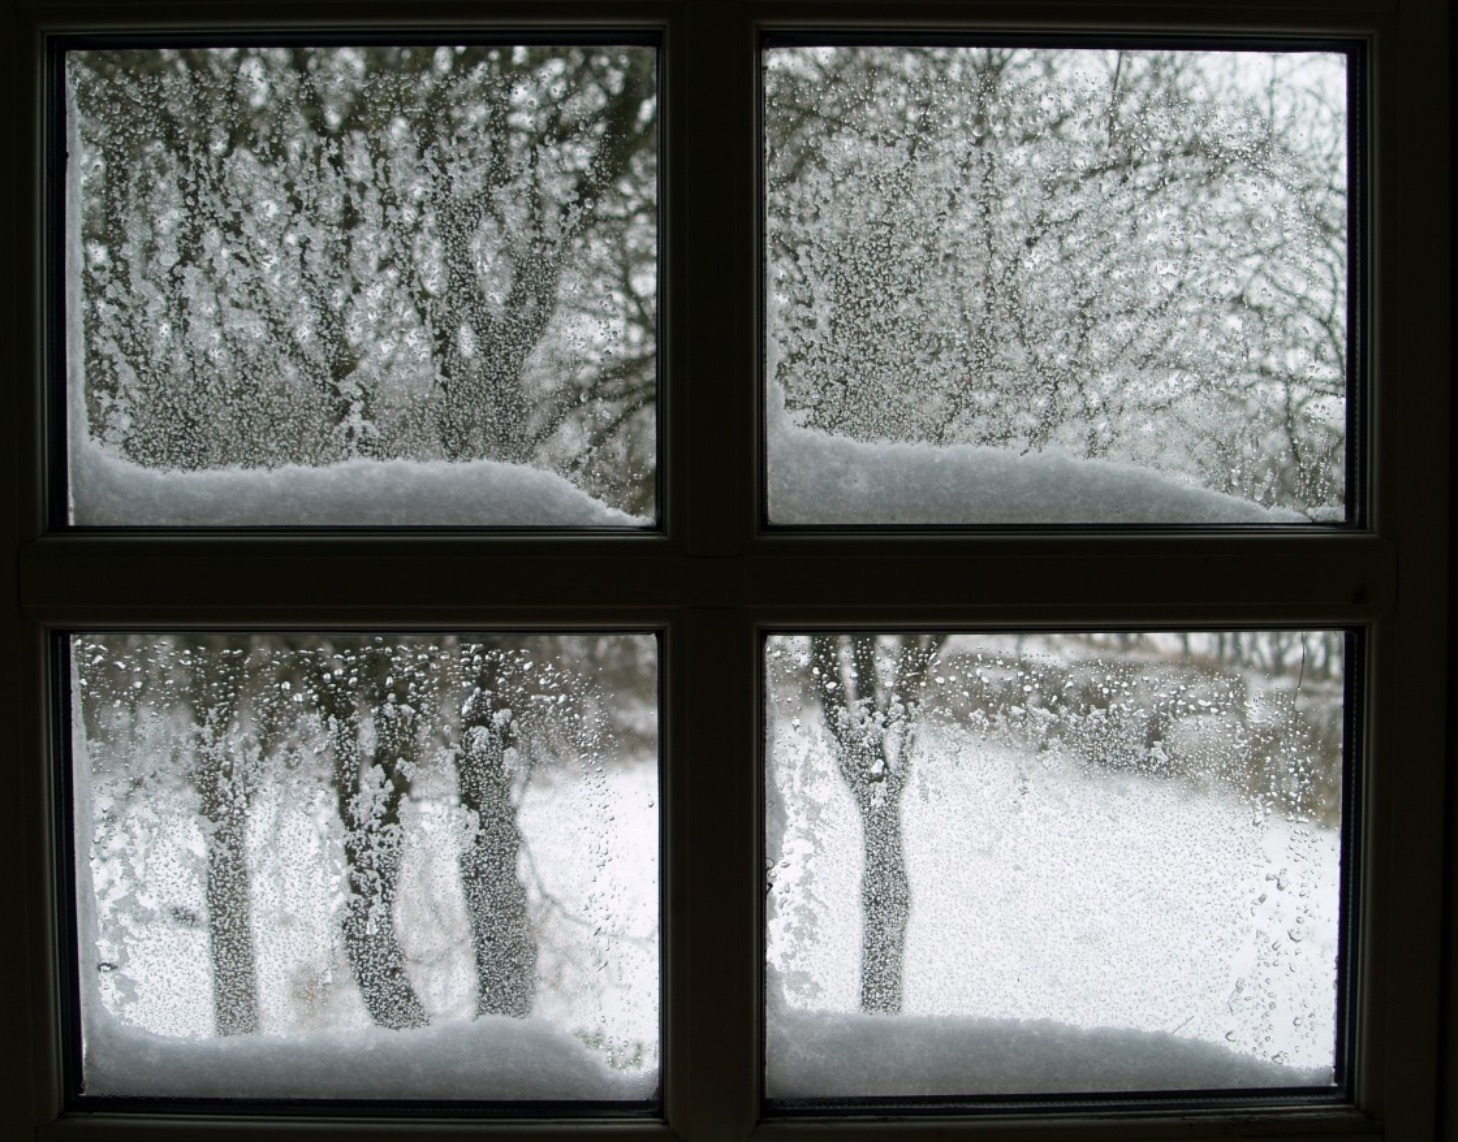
(335, 836)
(1128, 256)
(313, 255)
(1000, 864)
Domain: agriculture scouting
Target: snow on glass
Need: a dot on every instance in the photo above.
(316, 866)
(1077, 863)
(997, 272)
(370, 285)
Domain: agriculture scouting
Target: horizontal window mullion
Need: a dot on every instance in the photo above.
(1343, 582)
(1347, 1124)
(817, 15)
(163, 1128)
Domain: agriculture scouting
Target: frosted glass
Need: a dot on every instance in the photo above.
(362, 285)
(367, 867)
(1052, 863)
(1018, 285)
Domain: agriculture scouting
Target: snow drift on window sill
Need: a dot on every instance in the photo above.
(108, 491)
(818, 478)
(490, 1058)
(842, 1055)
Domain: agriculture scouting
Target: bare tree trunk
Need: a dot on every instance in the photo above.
(230, 936)
(375, 957)
(496, 902)
(484, 407)
(225, 794)
(372, 838)
(885, 906)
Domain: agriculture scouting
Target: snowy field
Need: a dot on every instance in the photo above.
(1088, 913)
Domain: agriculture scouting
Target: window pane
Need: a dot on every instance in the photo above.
(1017, 285)
(1024, 864)
(362, 285)
(367, 867)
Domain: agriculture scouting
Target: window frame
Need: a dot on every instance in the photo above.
(713, 580)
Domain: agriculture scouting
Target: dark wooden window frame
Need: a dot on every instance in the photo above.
(713, 580)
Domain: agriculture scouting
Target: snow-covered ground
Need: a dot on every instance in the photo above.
(1073, 928)
(591, 873)
(820, 1055)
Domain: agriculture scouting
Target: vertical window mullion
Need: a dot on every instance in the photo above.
(717, 287)
(712, 979)
(713, 949)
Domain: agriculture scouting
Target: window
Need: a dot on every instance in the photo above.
(1055, 863)
(1002, 279)
(705, 570)
(377, 274)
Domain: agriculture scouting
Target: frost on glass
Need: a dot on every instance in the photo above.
(362, 285)
(367, 867)
(1014, 285)
(1072, 863)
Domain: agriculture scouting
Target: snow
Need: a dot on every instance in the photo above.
(219, 317)
(1041, 258)
(601, 980)
(840, 1055)
(814, 478)
(107, 490)
(819, 478)
(490, 1057)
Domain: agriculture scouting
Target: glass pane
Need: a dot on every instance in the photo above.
(367, 867)
(1018, 285)
(1073, 863)
(362, 285)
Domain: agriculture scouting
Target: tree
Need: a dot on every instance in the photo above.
(161, 718)
(1074, 250)
(1241, 722)
(496, 899)
(350, 682)
(226, 779)
(868, 687)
